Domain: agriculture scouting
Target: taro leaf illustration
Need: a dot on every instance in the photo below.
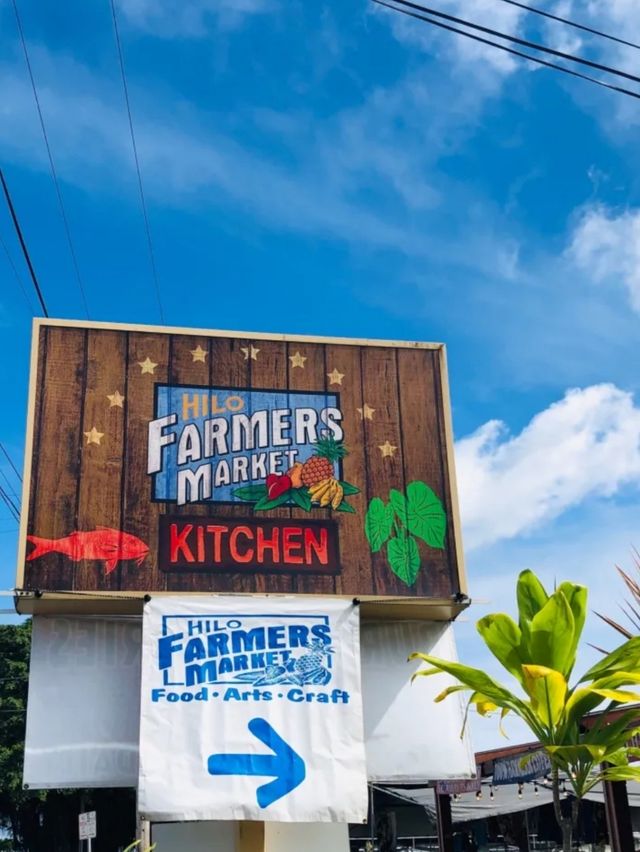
(301, 498)
(378, 523)
(251, 493)
(404, 558)
(426, 517)
(399, 503)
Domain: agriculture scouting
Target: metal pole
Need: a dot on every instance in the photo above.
(444, 822)
(618, 814)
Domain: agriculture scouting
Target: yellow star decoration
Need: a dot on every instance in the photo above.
(115, 399)
(249, 352)
(297, 360)
(94, 437)
(147, 366)
(198, 354)
(387, 450)
(366, 412)
(335, 377)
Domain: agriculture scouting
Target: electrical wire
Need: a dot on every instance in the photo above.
(135, 156)
(10, 460)
(23, 245)
(16, 275)
(523, 42)
(570, 23)
(511, 50)
(52, 167)
(7, 500)
(10, 489)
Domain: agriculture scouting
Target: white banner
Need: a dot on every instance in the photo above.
(251, 709)
(84, 703)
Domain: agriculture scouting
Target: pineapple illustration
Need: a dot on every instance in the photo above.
(319, 467)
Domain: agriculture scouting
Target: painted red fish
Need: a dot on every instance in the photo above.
(103, 543)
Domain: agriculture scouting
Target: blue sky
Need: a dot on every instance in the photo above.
(333, 168)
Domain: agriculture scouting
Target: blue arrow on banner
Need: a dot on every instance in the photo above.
(285, 766)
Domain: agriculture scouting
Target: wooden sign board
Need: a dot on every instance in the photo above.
(163, 460)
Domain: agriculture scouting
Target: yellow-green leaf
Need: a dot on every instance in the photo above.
(552, 635)
(619, 695)
(502, 636)
(449, 691)
(547, 690)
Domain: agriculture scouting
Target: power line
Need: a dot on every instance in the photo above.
(10, 460)
(135, 156)
(569, 23)
(23, 245)
(10, 489)
(510, 50)
(52, 167)
(10, 505)
(521, 41)
(16, 274)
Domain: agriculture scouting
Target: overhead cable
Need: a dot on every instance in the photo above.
(570, 23)
(143, 203)
(52, 167)
(9, 504)
(23, 245)
(510, 50)
(580, 60)
(10, 460)
(16, 274)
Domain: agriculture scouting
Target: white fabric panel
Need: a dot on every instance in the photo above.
(409, 739)
(306, 837)
(88, 670)
(84, 703)
(195, 836)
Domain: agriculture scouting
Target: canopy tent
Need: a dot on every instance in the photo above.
(495, 801)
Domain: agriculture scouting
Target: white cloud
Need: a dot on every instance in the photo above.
(458, 48)
(586, 444)
(188, 18)
(606, 246)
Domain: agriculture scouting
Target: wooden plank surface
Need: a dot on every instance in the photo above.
(99, 488)
(355, 555)
(140, 515)
(394, 428)
(59, 447)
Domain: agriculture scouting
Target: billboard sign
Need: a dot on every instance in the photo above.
(251, 709)
(175, 460)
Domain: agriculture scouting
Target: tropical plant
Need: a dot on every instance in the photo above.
(540, 653)
(631, 609)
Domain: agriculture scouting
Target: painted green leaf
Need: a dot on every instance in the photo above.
(345, 507)
(425, 516)
(301, 498)
(348, 488)
(265, 504)
(404, 558)
(251, 493)
(399, 504)
(378, 523)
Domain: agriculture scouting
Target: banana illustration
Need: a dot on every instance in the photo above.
(319, 491)
(338, 494)
(326, 497)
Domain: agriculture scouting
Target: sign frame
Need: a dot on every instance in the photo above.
(87, 827)
(29, 600)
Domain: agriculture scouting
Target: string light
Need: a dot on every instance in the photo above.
(535, 788)
(491, 793)
(479, 795)
(519, 791)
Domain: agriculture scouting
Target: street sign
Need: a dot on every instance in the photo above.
(251, 709)
(87, 825)
(205, 461)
